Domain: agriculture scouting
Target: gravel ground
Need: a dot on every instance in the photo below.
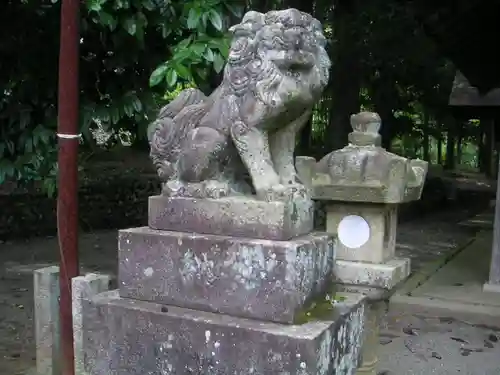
(423, 240)
(415, 345)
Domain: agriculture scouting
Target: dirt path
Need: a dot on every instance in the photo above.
(423, 240)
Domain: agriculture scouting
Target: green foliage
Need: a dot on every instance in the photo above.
(205, 46)
(172, 94)
(138, 54)
(126, 47)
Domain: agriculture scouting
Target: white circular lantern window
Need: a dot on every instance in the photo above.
(353, 231)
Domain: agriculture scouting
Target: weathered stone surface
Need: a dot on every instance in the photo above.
(234, 216)
(202, 146)
(84, 287)
(365, 172)
(48, 350)
(262, 279)
(127, 337)
(385, 275)
(346, 193)
(363, 184)
(382, 220)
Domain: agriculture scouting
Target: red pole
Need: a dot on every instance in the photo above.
(67, 200)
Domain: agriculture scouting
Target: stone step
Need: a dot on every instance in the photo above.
(235, 216)
(253, 278)
(130, 337)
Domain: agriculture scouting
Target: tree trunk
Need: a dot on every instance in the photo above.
(425, 142)
(460, 133)
(385, 96)
(489, 148)
(440, 149)
(450, 145)
(384, 106)
(496, 161)
(486, 147)
(345, 75)
(388, 126)
(480, 148)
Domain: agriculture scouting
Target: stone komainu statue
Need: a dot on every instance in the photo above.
(276, 70)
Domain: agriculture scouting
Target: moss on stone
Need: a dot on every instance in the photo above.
(320, 308)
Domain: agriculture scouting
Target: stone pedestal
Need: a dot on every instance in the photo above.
(233, 216)
(83, 288)
(252, 278)
(127, 336)
(46, 301)
(363, 185)
(203, 302)
(369, 354)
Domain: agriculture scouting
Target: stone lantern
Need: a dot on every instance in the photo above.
(363, 185)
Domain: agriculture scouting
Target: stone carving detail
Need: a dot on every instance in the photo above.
(276, 71)
(363, 170)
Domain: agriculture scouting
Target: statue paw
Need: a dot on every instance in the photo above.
(216, 189)
(284, 193)
(292, 179)
(174, 188)
(164, 170)
(207, 189)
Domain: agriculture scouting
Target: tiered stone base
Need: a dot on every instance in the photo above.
(236, 216)
(128, 337)
(260, 279)
(384, 275)
(214, 287)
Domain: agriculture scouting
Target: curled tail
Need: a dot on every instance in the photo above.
(185, 98)
(174, 122)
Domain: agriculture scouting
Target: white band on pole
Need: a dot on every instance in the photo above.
(69, 136)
